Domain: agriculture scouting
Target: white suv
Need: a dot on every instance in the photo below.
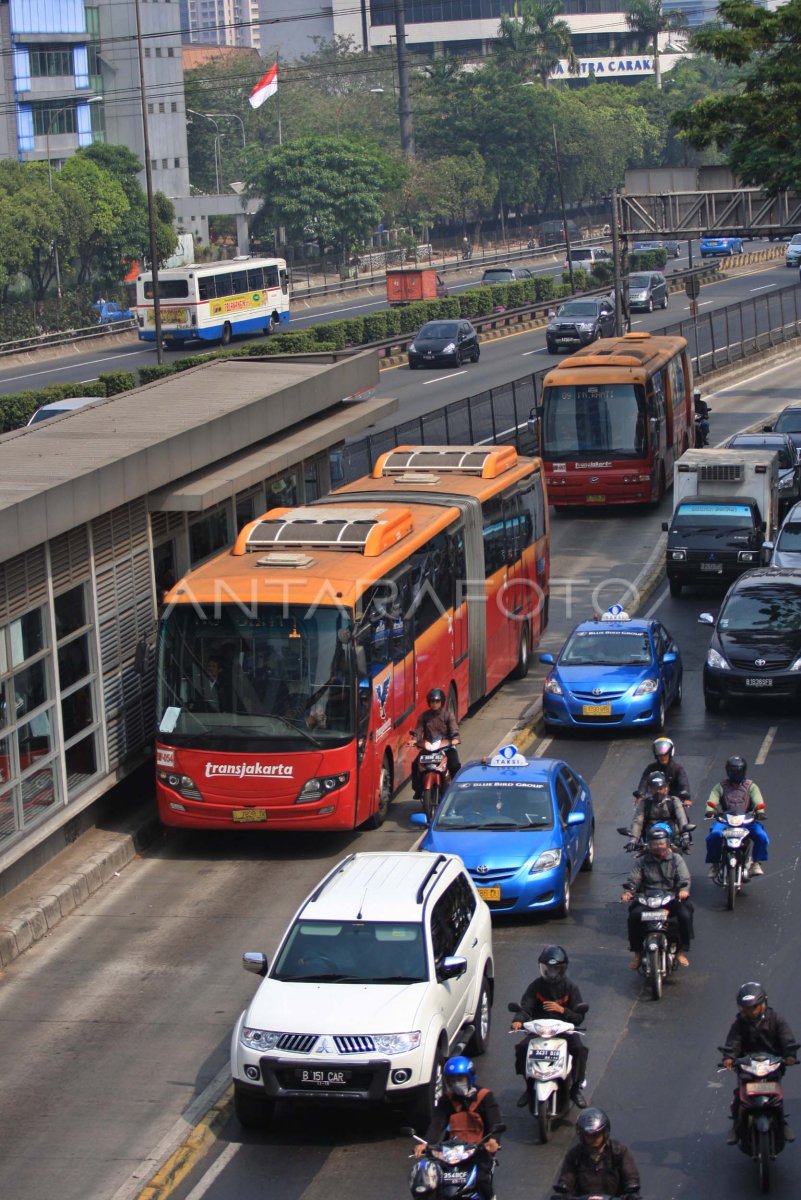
(384, 971)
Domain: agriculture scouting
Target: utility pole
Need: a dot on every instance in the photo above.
(404, 102)
(564, 214)
(151, 216)
(616, 266)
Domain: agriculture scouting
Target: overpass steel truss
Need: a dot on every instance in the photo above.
(740, 212)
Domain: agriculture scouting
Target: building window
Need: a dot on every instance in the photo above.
(150, 108)
(164, 164)
(154, 163)
(55, 118)
(147, 52)
(47, 61)
(170, 52)
(77, 681)
(209, 533)
(161, 108)
(174, 106)
(176, 162)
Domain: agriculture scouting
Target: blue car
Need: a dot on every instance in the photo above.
(523, 827)
(712, 246)
(107, 312)
(613, 671)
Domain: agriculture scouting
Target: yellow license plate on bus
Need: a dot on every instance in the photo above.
(596, 710)
(249, 814)
(489, 893)
(596, 499)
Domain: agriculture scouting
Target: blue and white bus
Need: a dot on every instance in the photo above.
(215, 302)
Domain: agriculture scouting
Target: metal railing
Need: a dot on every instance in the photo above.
(63, 337)
(716, 340)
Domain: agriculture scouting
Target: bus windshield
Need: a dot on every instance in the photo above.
(588, 421)
(255, 679)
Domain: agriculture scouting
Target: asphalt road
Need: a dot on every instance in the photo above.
(116, 1022)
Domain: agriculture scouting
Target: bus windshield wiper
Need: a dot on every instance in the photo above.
(298, 727)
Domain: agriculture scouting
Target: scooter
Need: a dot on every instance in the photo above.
(433, 764)
(760, 1125)
(736, 854)
(448, 1170)
(661, 941)
(549, 1070)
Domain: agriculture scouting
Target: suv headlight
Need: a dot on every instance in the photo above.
(552, 685)
(647, 687)
(678, 555)
(546, 861)
(747, 556)
(259, 1039)
(796, 666)
(585, 326)
(396, 1043)
(786, 482)
(717, 661)
(320, 786)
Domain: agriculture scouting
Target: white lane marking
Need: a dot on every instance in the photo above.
(766, 745)
(442, 378)
(334, 312)
(701, 303)
(750, 379)
(542, 747)
(652, 610)
(541, 350)
(90, 363)
(764, 287)
(214, 1171)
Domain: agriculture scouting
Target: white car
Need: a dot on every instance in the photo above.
(385, 970)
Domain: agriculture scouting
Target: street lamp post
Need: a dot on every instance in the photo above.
(217, 136)
(50, 124)
(233, 117)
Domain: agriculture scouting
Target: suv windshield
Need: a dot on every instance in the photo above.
(353, 952)
(578, 308)
(774, 608)
(607, 648)
(497, 804)
(789, 422)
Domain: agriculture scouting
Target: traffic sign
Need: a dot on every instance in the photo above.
(692, 287)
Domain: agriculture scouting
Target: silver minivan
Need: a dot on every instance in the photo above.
(647, 290)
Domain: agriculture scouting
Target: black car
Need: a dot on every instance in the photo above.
(506, 275)
(789, 466)
(449, 342)
(756, 643)
(789, 422)
(580, 321)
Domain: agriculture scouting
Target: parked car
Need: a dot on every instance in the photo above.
(647, 290)
(505, 274)
(580, 321)
(59, 407)
(789, 422)
(587, 256)
(716, 246)
(756, 640)
(786, 552)
(793, 256)
(789, 466)
(384, 968)
(449, 342)
(524, 828)
(616, 671)
(107, 312)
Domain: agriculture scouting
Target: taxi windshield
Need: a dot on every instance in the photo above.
(607, 648)
(497, 804)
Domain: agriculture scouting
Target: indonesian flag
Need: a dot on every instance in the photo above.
(266, 87)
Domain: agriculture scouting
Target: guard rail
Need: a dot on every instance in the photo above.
(65, 338)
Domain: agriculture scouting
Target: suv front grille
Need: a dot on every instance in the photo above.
(297, 1043)
(354, 1044)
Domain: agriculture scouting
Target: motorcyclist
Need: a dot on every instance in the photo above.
(658, 805)
(659, 869)
(736, 794)
(554, 995)
(757, 1029)
(467, 249)
(597, 1163)
(436, 724)
(702, 411)
(468, 1113)
(664, 755)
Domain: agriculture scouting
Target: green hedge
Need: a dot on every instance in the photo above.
(16, 410)
(118, 381)
(648, 260)
(581, 280)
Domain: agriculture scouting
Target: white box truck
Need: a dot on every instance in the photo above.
(726, 507)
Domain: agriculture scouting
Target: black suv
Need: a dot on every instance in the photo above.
(756, 643)
(580, 321)
(789, 422)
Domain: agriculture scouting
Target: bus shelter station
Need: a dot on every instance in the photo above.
(101, 511)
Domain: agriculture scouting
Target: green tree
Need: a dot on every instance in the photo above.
(534, 42)
(467, 187)
(98, 209)
(33, 219)
(326, 189)
(648, 18)
(759, 126)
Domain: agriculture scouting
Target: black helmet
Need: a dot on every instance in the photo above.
(657, 779)
(435, 694)
(663, 745)
(591, 1122)
(553, 963)
(751, 995)
(736, 767)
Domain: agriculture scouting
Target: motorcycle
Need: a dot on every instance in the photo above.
(682, 842)
(432, 762)
(467, 253)
(760, 1124)
(702, 411)
(735, 855)
(549, 1070)
(448, 1170)
(661, 941)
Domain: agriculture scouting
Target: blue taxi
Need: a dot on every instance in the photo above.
(711, 247)
(614, 670)
(523, 827)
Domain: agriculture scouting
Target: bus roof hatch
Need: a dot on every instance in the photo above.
(370, 531)
(485, 461)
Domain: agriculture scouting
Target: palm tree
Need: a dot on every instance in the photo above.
(648, 18)
(536, 40)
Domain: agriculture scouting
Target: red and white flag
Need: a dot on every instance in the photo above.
(266, 87)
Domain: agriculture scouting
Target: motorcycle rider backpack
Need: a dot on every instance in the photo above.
(735, 797)
(467, 1124)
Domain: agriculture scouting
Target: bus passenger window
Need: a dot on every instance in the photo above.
(256, 280)
(271, 277)
(223, 284)
(494, 536)
(206, 289)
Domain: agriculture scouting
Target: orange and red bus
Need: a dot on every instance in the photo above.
(293, 667)
(614, 418)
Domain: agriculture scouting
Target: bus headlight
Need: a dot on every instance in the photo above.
(181, 784)
(320, 786)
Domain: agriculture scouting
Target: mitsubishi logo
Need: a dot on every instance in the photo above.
(713, 558)
(482, 869)
(325, 1046)
(760, 662)
(597, 691)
